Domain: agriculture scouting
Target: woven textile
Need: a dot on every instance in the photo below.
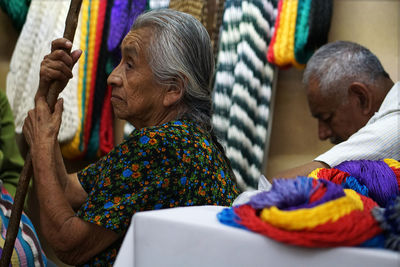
(196, 8)
(92, 143)
(216, 27)
(27, 250)
(243, 86)
(157, 4)
(33, 44)
(74, 148)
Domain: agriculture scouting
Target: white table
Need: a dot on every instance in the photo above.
(192, 236)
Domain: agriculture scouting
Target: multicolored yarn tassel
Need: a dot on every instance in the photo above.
(301, 27)
(332, 207)
(72, 149)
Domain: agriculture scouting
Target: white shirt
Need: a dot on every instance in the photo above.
(377, 140)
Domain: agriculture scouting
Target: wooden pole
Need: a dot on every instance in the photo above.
(55, 89)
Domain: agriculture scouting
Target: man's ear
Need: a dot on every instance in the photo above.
(174, 93)
(363, 96)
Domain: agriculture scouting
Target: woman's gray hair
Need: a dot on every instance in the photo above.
(335, 65)
(180, 51)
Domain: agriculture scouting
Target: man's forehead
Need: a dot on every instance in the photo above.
(318, 104)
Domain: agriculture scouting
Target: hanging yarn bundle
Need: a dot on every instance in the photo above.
(301, 27)
(332, 207)
(243, 85)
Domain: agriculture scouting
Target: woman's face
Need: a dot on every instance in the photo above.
(136, 97)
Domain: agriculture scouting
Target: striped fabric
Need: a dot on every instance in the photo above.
(243, 86)
(378, 139)
(73, 149)
(196, 8)
(27, 249)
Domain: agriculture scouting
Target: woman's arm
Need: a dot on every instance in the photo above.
(70, 185)
(74, 240)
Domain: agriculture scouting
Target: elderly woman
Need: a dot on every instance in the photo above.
(162, 87)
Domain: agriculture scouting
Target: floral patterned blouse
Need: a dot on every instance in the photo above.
(174, 164)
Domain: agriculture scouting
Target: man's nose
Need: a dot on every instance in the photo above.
(324, 131)
(114, 79)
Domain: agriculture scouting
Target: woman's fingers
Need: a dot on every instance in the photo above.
(76, 55)
(61, 43)
(52, 73)
(62, 56)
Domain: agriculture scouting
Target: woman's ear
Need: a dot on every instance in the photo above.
(363, 96)
(174, 93)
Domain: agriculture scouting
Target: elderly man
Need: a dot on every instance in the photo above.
(356, 104)
(172, 158)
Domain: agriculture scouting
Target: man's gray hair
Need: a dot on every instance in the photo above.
(180, 52)
(335, 65)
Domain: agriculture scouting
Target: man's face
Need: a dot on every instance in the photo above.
(337, 118)
(136, 97)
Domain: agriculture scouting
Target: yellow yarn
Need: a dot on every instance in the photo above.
(392, 163)
(71, 150)
(309, 218)
(94, 12)
(314, 173)
(284, 43)
(278, 55)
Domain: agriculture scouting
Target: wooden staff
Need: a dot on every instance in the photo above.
(26, 174)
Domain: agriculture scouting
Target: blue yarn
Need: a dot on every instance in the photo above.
(228, 217)
(352, 183)
(375, 242)
(392, 215)
(389, 220)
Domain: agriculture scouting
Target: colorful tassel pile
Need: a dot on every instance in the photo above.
(356, 203)
(301, 27)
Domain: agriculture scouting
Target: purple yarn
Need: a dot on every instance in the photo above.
(137, 8)
(290, 194)
(118, 21)
(333, 191)
(377, 176)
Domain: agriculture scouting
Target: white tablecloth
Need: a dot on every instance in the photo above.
(192, 236)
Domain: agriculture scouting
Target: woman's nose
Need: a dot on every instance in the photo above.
(114, 79)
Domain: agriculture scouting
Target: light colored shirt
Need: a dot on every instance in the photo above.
(378, 139)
